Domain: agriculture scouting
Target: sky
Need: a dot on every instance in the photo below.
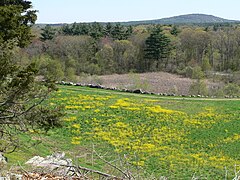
(69, 11)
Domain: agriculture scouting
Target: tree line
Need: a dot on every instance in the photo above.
(97, 48)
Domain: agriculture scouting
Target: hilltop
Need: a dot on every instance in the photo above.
(181, 19)
(185, 19)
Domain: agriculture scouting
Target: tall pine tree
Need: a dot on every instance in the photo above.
(157, 47)
(16, 18)
(48, 33)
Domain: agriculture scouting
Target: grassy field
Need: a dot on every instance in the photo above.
(155, 136)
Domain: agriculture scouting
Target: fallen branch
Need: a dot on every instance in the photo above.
(91, 170)
(120, 170)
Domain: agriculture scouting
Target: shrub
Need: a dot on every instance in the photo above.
(231, 90)
(198, 87)
(197, 73)
(188, 71)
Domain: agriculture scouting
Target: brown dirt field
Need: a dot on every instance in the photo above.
(157, 82)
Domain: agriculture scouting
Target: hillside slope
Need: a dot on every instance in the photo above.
(184, 19)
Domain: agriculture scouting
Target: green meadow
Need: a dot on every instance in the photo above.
(152, 136)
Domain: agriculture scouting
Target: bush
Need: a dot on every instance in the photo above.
(50, 68)
(198, 87)
(188, 71)
(231, 89)
(206, 65)
(197, 73)
(70, 74)
(191, 72)
(236, 78)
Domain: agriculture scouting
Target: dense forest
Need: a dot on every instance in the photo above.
(194, 51)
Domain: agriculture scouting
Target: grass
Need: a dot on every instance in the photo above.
(171, 137)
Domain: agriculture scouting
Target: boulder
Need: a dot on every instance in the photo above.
(138, 91)
(56, 161)
(3, 160)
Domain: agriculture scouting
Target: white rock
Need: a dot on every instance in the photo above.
(35, 160)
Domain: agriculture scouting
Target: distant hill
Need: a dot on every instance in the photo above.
(184, 19)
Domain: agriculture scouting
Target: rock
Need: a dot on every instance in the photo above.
(129, 91)
(36, 160)
(3, 160)
(138, 91)
(124, 90)
(14, 176)
(146, 92)
(58, 155)
(79, 84)
(95, 86)
(52, 162)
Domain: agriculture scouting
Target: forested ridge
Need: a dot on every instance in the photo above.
(97, 48)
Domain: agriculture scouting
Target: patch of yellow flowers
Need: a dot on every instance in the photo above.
(144, 129)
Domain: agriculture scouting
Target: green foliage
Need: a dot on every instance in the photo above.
(73, 52)
(108, 29)
(174, 138)
(70, 73)
(236, 78)
(48, 33)
(136, 82)
(232, 90)
(20, 99)
(197, 73)
(15, 21)
(206, 65)
(50, 68)
(157, 46)
(175, 31)
(169, 48)
(97, 30)
(187, 72)
(104, 59)
(65, 30)
(118, 32)
(124, 55)
(21, 95)
(198, 87)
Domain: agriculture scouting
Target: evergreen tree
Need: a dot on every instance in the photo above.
(157, 46)
(74, 29)
(20, 93)
(96, 30)
(16, 19)
(128, 32)
(66, 30)
(175, 31)
(108, 29)
(48, 33)
(118, 32)
(84, 29)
